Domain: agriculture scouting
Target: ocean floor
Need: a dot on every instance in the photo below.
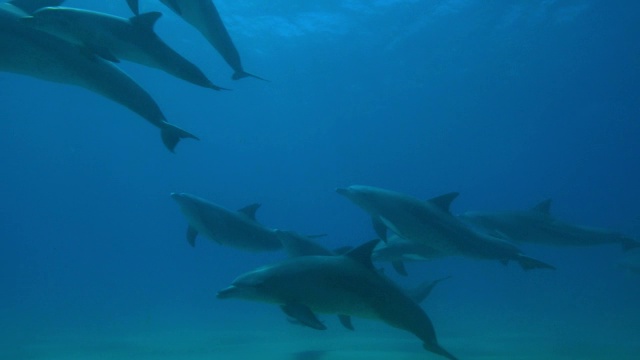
(369, 341)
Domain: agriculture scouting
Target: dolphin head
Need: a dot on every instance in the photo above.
(253, 285)
(183, 198)
(367, 197)
(50, 19)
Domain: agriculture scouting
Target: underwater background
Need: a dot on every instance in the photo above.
(507, 102)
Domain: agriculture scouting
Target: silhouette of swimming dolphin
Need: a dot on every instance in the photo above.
(113, 38)
(37, 54)
(336, 284)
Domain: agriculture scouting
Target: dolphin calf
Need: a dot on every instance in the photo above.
(114, 38)
(203, 15)
(537, 225)
(397, 250)
(431, 223)
(37, 54)
(344, 284)
(237, 229)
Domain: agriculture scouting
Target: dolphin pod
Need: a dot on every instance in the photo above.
(114, 38)
(204, 17)
(430, 223)
(37, 54)
(347, 285)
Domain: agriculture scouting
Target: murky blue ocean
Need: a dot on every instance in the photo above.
(507, 102)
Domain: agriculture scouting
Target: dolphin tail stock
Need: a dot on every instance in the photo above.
(172, 134)
(527, 263)
(243, 74)
(437, 349)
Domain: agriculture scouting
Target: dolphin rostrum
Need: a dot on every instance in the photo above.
(336, 284)
(537, 225)
(114, 38)
(203, 15)
(37, 54)
(431, 223)
(237, 229)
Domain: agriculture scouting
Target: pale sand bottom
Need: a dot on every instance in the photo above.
(370, 341)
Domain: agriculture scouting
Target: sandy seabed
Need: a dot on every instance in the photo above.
(370, 341)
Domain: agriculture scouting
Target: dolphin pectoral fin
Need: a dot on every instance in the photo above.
(243, 74)
(134, 6)
(398, 266)
(527, 263)
(192, 233)
(304, 315)
(345, 320)
(103, 52)
(380, 228)
(437, 349)
(172, 134)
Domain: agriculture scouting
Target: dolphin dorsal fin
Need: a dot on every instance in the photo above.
(250, 211)
(543, 206)
(444, 201)
(362, 254)
(146, 20)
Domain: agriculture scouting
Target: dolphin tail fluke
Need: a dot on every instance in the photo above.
(172, 134)
(437, 349)
(527, 263)
(243, 74)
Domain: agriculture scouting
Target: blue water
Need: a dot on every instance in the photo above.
(507, 102)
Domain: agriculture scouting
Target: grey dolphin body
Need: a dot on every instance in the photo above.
(237, 229)
(203, 15)
(113, 38)
(537, 225)
(345, 284)
(397, 250)
(431, 223)
(29, 6)
(34, 53)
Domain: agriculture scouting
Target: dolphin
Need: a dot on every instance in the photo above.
(537, 225)
(431, 223)
(344, 284)
(397, 250)
(237, 229)
(203, 15)
(37, 54)
(29, 6)
(114, 38)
